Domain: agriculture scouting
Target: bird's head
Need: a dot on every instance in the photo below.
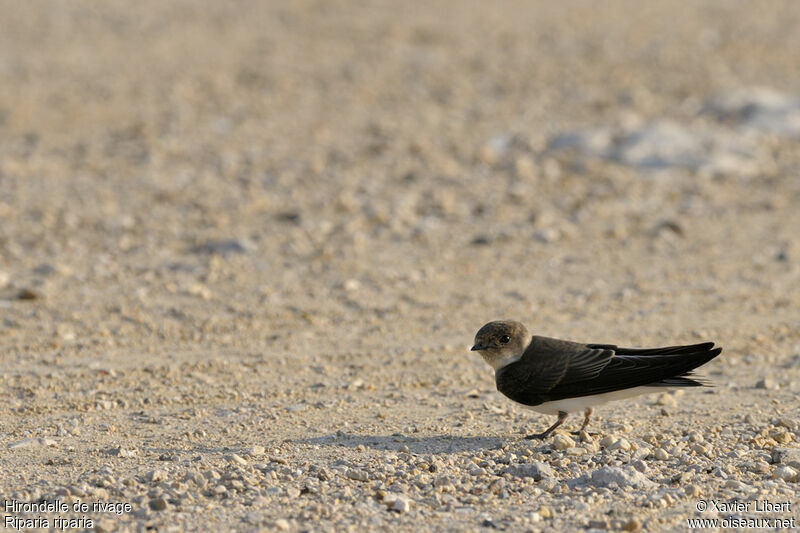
(501, 342)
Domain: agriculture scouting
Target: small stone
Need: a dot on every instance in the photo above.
(403, 449)
(103, 526)
(547, 235)
(734, 484)
(293, 492)
(545, 512)
(696, 436)
(237, 459)
(768, 384)
(402, 504)
(535, 470)
(605, 442)
(786, 473)
(661, 454)
(33, 441)
(158, 504)
(620, 444)
(562, 442)
(282, 524)
(787, 456)
(352, 285)
(632, 525)
(667, 400)
(783, 437)
(356, 474)
(525, 167)
(693, 491)
(154, 476)
(760, 467)
(623, 477)
(223, 247)
(28, 294)
(256, 450)
(124, 452)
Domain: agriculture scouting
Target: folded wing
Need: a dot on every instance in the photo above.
(552, 369)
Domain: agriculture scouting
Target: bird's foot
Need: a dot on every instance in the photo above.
(537, 436)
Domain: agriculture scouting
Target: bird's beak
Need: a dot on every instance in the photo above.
(478, 347)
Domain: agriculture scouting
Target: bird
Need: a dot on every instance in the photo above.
(556, 377)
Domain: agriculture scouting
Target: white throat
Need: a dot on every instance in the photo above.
(499, 363)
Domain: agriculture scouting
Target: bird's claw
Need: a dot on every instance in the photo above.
(536, 436)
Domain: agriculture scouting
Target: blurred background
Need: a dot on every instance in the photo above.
(334, 174)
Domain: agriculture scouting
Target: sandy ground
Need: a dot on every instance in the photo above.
(244, 247)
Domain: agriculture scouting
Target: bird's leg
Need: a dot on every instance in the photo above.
(586, 414)
(561, 417)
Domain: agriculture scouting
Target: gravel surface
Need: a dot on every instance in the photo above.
(245, 246)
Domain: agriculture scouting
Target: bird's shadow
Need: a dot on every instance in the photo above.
(418, 445)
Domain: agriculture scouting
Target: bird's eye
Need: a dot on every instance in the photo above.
(504, 339)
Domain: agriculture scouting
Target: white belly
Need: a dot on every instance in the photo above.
(569, 405)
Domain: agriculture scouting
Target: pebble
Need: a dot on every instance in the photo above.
(632, 525)
(255, 451)
(767, 383)
(28, 294)
(620, 444)
(661, 144)
(237, 459)
(402, 504)
(787, 456)
(536, 470)
(282, 524)
(735, 485)
(562, 442)
(34, 441)
(154, 476)
(357, 474)
(660, 454)
(762, 110)
(667, 400)
(623, 477)
(693, 491)
(782, 437)
(158, 504)
(223, 247)
(786, 473)
(124, 452)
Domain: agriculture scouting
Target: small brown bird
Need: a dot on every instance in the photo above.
(557, 377)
